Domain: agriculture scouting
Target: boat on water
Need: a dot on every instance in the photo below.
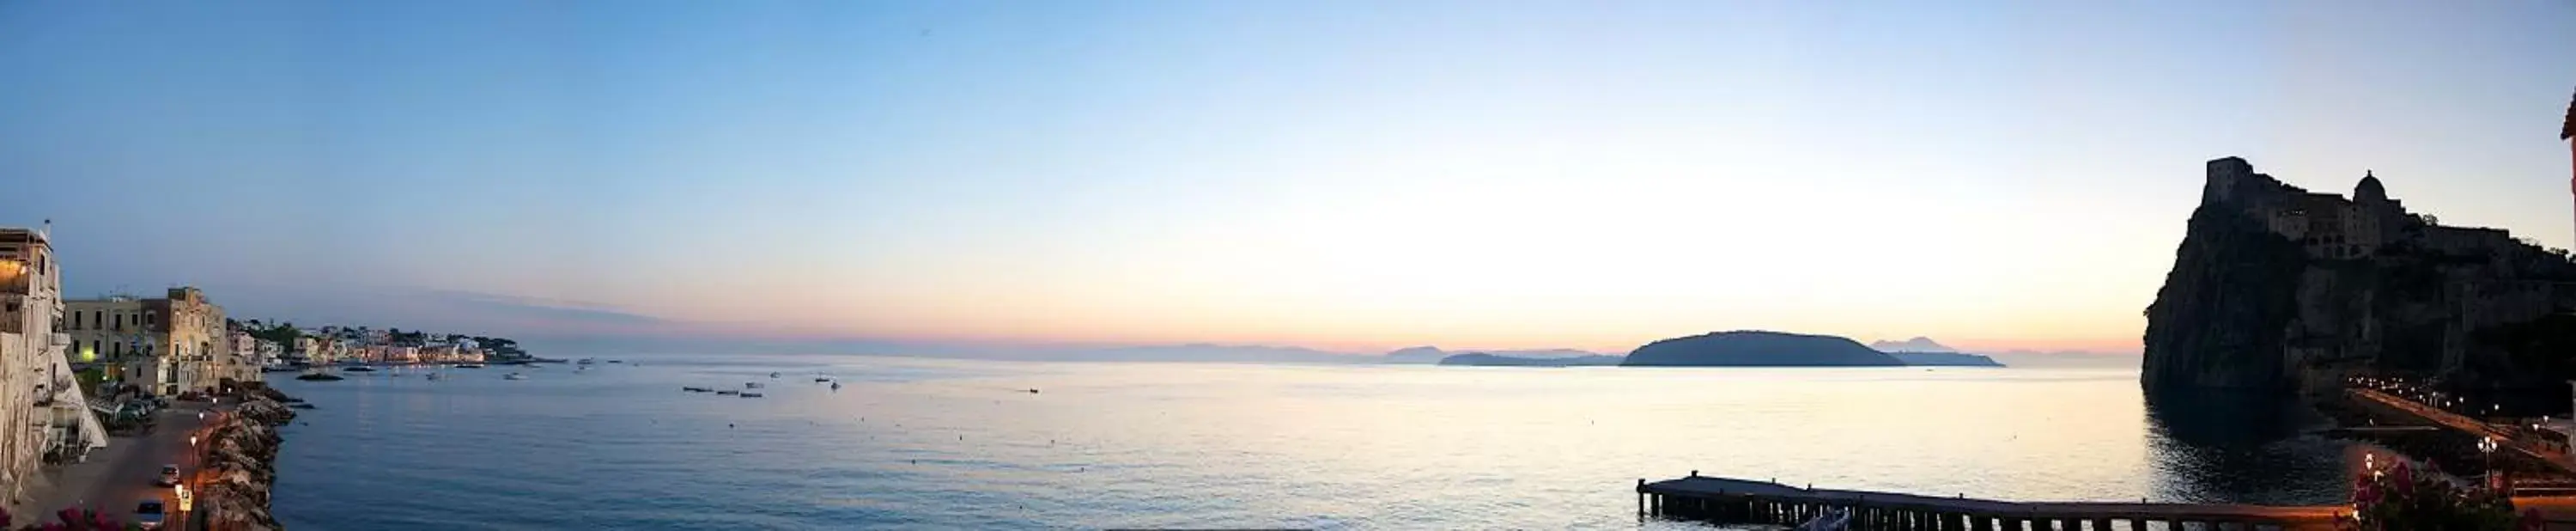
(751, 395)
(821, 380)
(515, 376)
(836, 386)
(751, 385)
(696, 389)
(469, 365)
(359, 368)
(587, 361)
(318, 375)
(773, 375)
(436, 376)
(728, 392)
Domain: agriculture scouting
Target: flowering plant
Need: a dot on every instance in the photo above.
(2401, 500)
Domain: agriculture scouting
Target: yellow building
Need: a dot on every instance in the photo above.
(167, 345)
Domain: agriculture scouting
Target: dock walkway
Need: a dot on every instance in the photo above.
(1726, 500)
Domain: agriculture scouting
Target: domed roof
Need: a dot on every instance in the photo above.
(2369, 189)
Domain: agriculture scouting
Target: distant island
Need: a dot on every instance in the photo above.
(1480, 359)
(1431, 354)
(1926, 352)
(1754, 348)
(1945, 359)
(1918, 344)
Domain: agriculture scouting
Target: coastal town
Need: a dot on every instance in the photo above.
(109, 387)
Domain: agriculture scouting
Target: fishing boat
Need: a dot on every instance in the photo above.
(515, 376)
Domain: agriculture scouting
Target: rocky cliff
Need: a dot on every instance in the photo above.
(2278, 288)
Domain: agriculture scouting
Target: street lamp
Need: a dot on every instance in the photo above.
(2487, 448)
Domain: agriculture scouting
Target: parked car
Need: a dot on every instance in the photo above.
(169, 476)
(149, 515)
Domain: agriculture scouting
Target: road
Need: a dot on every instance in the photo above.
(117, 478)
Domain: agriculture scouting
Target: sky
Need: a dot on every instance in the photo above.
(1353, 176)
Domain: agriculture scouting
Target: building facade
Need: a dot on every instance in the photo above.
(169, 345)
(41, 410)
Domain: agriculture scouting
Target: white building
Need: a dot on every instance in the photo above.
(41, 410)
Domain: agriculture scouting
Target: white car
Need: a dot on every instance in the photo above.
(169, 476)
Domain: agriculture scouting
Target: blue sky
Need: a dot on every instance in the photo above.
(1347, 175)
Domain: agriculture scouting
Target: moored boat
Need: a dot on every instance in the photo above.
(751, 395)
(515, 376)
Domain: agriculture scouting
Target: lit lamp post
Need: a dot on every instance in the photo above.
(2487, 448)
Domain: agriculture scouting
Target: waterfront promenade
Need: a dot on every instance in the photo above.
(116, 478)
(2507, 439)
(1725, 500)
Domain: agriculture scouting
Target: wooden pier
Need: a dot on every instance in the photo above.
(1724, 500)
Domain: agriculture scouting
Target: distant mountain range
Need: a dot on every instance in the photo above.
(1918, 344)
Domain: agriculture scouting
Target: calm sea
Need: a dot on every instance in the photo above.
(917, 443)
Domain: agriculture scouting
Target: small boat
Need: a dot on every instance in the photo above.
(435, 376)
(319, 376)
(360, 368)
(836, 386)
(515, 376)
(469, 365)
(617, 361)
(821, 380)
(751, 395)
(751, 385)
(587, 361)
(773, 375)
(728, 392)
(696, 389)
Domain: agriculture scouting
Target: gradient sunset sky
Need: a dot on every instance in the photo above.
(1339, 175)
